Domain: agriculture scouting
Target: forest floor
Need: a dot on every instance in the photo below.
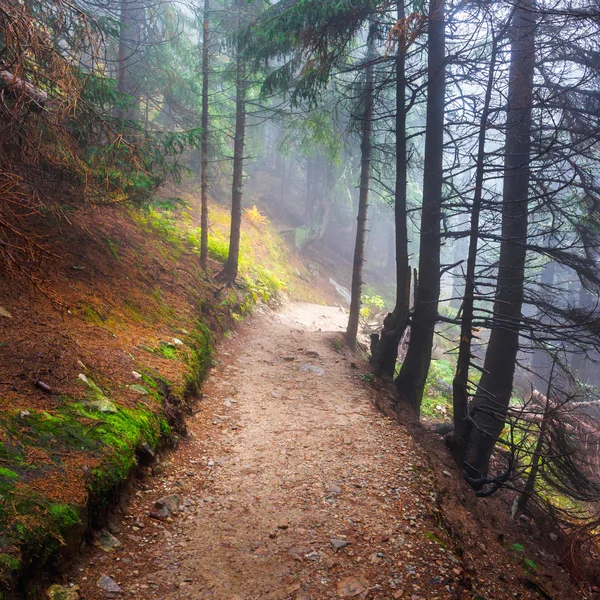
(292, 484)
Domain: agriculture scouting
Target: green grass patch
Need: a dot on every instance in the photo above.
(437, 399)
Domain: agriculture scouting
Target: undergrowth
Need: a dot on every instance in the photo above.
(264, 266)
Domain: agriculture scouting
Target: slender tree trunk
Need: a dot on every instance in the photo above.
(385, 353)
(282, 182)
(311, 186)
(523, 499)
(204, 146)
(363, 201)
(490, 404)
(129, 43)
(231, 266)
(541, 361)
(463, 363)
(412, 377)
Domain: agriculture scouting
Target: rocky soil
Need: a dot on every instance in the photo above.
(292, 485)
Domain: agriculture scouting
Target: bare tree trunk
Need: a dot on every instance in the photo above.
(204, 146)
(413, 374)
(129, 44)
(523, 499)
(311, 186)
(490, 404)
(363, 201)
(463, 363)
(385, 353)
(231, 266)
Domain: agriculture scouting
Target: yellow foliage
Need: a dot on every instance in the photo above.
(255, 216)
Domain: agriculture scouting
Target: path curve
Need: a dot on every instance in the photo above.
(292, 485)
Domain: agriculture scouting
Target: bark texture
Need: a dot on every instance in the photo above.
(385, 352)
(413, 374)
(460, 384)
(490, 404)
(363, 202)
(231, 266)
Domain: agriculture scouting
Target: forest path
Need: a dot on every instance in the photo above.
(292, 485)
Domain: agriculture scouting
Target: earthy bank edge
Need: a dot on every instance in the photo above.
(111, 440)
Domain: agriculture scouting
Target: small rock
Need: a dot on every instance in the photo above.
(312, 369)
(227, 403)
(59, 592)
(352, 586)
(339, 544)
(25, 413)
(107, 541)
(334, 489)
(4, 313)
(136, 375)
(140, 389)
(312, 354)
(282, 526)
(109, 585)
(165, 507)
(553, 537)
(146, 449)
(288, 358)
(177, 342)
(447, 473)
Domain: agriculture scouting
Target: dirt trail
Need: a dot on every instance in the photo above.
(292, 485)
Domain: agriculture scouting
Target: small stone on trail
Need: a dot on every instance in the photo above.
(5, 313)
(334, 489)
(288, 358)
(136, 375)
(282, 526)
(109, 585)
(553, 537)
(165, 507)
(351, 587)
(177, 342)
(312, 369)
(107, 541)
(339, 544)
(447, 473)
(60, 592)
(312, 354)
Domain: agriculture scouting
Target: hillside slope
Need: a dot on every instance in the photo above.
(102, 351)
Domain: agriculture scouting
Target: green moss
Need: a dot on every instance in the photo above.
(8, 474)
(167, 350)
(9, 562)
(112, 246)
(199, 357)
(91, 315)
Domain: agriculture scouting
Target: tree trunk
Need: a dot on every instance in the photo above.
(204, 146)
(412, 377)
(461, 378)
(231, 266)
(311, 176)
(129, 45)
(523, 498)
(541, 361)
(363, 198)
(385, 353)
(490, 404)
